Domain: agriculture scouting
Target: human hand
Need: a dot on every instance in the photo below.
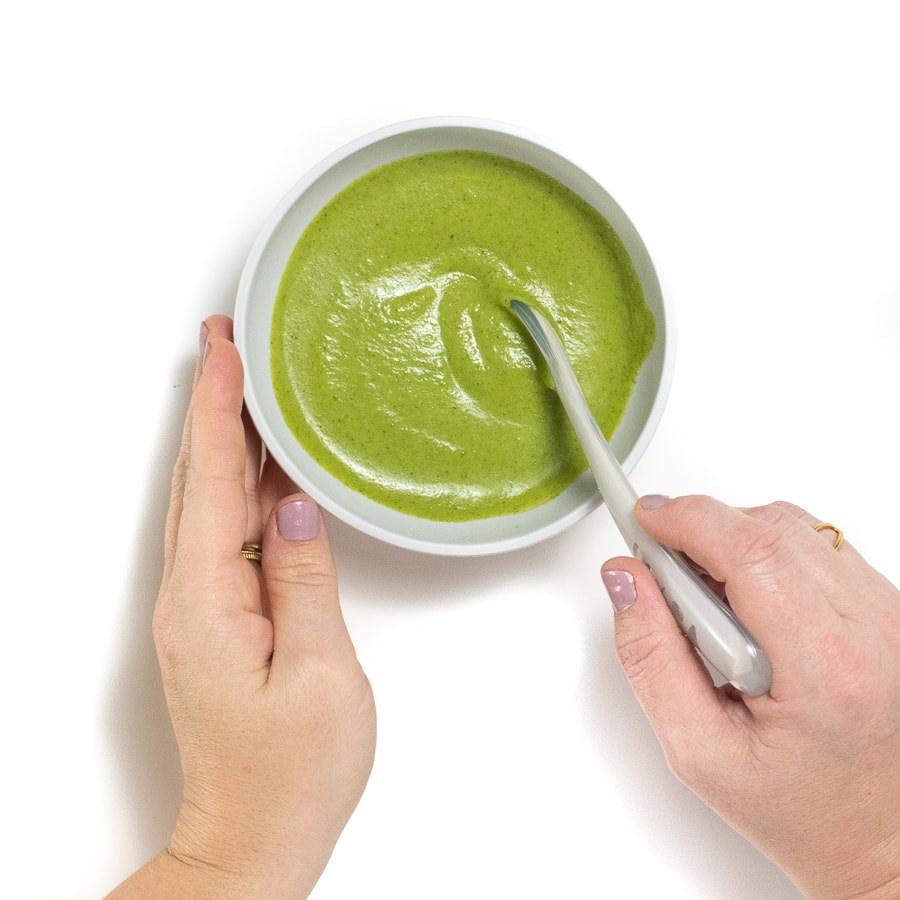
(273, 714)
(810, 772)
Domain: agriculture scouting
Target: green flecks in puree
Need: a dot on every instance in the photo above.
(397, 362)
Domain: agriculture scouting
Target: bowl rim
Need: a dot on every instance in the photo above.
(486, 543)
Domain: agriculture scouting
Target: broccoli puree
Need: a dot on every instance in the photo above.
(397, 362)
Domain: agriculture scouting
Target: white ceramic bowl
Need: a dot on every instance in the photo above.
(253, 317)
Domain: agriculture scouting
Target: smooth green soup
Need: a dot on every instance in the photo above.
(397, 362)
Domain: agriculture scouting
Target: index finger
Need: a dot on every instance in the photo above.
(214, 512)
(764, 557)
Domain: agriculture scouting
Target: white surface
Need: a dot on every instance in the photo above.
(754, 148)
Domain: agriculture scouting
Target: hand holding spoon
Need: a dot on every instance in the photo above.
(715, 631)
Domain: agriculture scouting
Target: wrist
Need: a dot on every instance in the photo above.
(887, 888)
(169, 875)
(874, 877)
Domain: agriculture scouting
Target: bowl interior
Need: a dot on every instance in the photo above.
(255, 304)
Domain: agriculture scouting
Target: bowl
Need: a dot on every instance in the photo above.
(255, 302)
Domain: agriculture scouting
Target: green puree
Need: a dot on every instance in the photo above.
(396, 359)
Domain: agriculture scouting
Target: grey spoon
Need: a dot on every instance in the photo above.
(721, 639)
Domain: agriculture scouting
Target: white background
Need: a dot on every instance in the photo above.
(755, 147)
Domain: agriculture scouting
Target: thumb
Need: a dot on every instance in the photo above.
(301, 584)
(665, 672)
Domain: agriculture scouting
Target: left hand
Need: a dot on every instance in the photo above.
(274, 717)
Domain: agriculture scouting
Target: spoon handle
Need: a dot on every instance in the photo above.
(721, 639)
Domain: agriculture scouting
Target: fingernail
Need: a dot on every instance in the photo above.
(204, 344)
(298, 520)
(654, 501)
(620, 586)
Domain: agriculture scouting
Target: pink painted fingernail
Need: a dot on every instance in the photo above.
(621, 588)
(654, 501)
(298, 520)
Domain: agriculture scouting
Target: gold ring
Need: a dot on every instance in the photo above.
(252, 552)
(839, 535)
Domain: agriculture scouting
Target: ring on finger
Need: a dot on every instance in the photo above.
(252, 552)
(838, 534)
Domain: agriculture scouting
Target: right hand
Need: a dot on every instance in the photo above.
(810, 772)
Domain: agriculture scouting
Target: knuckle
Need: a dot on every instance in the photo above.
(761, 544)
(307, 576)
(644, 657)
(313, 571)
(856, 682)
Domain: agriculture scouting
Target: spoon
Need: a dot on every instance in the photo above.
(722, 640)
